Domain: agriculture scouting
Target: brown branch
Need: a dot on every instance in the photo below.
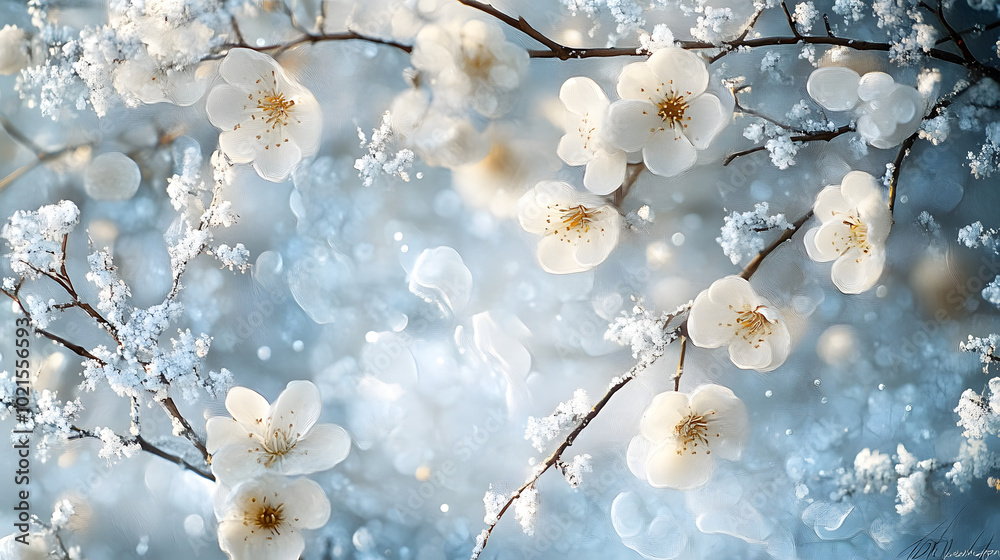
(555, 458)
(680, 360)
(897, 164)
(952, 34)
(634, 170)
(821, 136)
(145, 445)
(752, 267)
(790, 21)
(557, 50)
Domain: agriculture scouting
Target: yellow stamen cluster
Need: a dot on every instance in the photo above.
(692, 431)
(751, 324)
(277, 110)
(575, 219)
(265, 516)
(672, 110)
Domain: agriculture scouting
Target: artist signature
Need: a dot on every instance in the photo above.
(939, 543)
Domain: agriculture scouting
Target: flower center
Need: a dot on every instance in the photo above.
(276, 108)
(859, 233)
(752, 325)
(267, 517)
(692, 431)
(277, 444)
(586, 131)
(575, 219)
(672, 109)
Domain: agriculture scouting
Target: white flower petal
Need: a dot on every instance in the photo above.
(247, 407)
(242, 145)
(235, 540)
(669, 154)
(665, 468)
(637, 81)
(582, 95)
(305, 125)
(606, 172)
(323, 447)
(221, 430)
(858, 187)
(752, 353)
(834, 87)
(708, 322)
(856, 272)
(632, 123)
(533, 207)
(557, 256)
(830, 241)
(680, 70)
(637, 454)
(227, 107)
(276, 162)
(707, 117)
(874, 85)
(238, 462)
(659, 422)
(246, 65)
(574, 148)
(296, 409)
(306, 503)
(729, 420)
(735, 291)
(829, 202)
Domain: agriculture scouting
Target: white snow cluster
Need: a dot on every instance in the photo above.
(661, 37)
(543, 430)
(379, 159)
(115, 445)
(574, 470)
(642, 332)
(36, 238)
(911, 484)
(975, 235)
(873, 471)
(493, 502)
(986, 162)
(525, 509)
(986, 347)
(804, 16)
(627, 15)
(742, 232)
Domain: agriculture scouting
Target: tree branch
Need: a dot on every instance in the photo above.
(145, 445)
(752, 267)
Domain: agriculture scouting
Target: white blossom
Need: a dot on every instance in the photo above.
(282, 437)
(887, 113)
(665, 111)
(682, 435)
(470, 62)
(264, 517)
(855, 224)
(13, 50)
(584, 142)
(579, 229)
(731, 313)
(266, 117)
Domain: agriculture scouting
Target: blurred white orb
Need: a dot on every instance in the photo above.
(112, 176)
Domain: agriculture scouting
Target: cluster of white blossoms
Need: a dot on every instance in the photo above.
(261, 511)
(887, 113)
(586, 141)
(855, 224)
(266, 117)
(682, 435)
(579, 230)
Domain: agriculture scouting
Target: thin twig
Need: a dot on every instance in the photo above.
(145, 445)
(752, 267)
(634, 170)
(680, 361)
(790, 20)
(897, 165)
(820, 136)
(680, 332)
(952, 34)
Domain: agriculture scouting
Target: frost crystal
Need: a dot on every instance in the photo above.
(35, 238)
(494, 502)
(573, 471)
(986, 347)
(804, 16)
(741, 233)
(660, 38)
(61, 514)
(986, 161)
(114, 445)
(642, 332)
(380, 160)
(782, 151)
(543, 430)
(525, 509)
(873, 471)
